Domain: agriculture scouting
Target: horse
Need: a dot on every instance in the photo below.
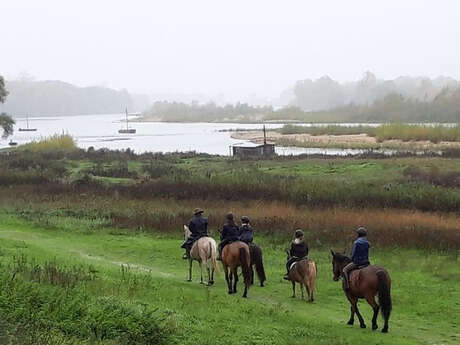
(303, 272)
(365, 283)
(236, 254)
(256, 255)
(204, 250)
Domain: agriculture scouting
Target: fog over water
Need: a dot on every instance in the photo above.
(233, 49)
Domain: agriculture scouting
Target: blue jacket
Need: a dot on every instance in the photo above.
(246, 233)
(360, 251)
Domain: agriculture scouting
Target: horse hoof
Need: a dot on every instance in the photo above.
(189, 280)
(244, 296)
(374, 327)
(230, 292)
(201, 282)
(385, 330)
(350, 323)
(362, 326)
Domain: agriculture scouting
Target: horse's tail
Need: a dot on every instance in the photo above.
(384, 294)
(244, 258)
(313, 276)
(259, 263)
(213, 251)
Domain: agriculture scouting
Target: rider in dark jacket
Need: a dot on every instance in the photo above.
(359, 255)
(246, 231)
(229, 233)
(198, 227)
(298, 251)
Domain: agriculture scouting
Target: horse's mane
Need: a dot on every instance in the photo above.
(341, 257)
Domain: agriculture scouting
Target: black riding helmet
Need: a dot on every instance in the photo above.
(245, 219)
(298, 233)
(229, 216)
(361, 231)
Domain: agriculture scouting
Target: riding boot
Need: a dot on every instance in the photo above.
(186, 254)
(346, 281)
(219, 254)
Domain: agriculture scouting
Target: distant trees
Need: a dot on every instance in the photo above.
(326, 93)
(6, 122)
(56, 98)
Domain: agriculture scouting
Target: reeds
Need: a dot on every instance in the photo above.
(63, 142)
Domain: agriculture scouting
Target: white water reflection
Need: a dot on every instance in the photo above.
(101, 131)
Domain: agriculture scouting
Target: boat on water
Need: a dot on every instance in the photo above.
(127, 130)
(12, 143)
(27, 129)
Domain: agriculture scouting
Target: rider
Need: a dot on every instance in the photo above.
(359, 255)
(198, 227)
(298, 251)
(229, 233)
(246, 231)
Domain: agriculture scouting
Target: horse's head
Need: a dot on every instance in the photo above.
(187, 232)
(338, 263)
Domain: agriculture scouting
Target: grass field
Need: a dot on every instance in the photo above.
(425, 289)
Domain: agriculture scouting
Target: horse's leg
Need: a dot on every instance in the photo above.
(252, 274)
(301, 290)
(371, 300)
(190, 270)
(235, 274)
(293, 288)
(201, 272)
(351, 321)
(228, 279)
(362, 324)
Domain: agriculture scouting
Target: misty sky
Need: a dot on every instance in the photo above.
(233, 47)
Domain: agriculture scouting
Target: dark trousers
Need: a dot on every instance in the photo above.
(290, 261)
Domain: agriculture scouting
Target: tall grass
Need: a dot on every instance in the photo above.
(397, 131)
(407, 132)
(63, 142)
(328, 130)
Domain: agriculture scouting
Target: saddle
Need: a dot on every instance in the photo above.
(293, 264)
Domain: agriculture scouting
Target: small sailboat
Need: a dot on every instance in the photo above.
(12, 143)
(28, 129)
(127, 130)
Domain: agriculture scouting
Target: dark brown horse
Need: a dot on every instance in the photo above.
(257, 262)
(365, 283)
(234, 255)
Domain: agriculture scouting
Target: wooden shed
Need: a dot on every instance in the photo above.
(254, 150)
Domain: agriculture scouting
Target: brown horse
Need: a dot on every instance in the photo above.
(257, 262)
(234, 255)
(204, 251)
(304, 273)
(365, 283)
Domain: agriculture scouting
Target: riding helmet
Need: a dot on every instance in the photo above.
(298, 233)
(361, 231)
(245, 219)
(198, 211)
(229, 216)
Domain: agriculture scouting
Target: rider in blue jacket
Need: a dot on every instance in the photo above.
(246, 230)
(359, 254)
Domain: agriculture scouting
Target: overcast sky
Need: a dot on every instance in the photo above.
(231, 47)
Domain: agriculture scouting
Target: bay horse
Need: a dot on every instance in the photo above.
(303, 272)
(256, 255)
(236, 254)
(365, 283)
(204, 250)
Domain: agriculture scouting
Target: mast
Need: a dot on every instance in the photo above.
(27, 119)
(126, 111)
(265, 137)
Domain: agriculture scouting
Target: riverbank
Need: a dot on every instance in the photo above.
(346, 141)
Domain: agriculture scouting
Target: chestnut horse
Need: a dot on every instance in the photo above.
(204, 250)
(234, 255)
(365, 283)
(303, 272)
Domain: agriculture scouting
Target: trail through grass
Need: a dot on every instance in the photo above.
(425, 292)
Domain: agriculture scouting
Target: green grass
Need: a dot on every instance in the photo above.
(425, 289)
